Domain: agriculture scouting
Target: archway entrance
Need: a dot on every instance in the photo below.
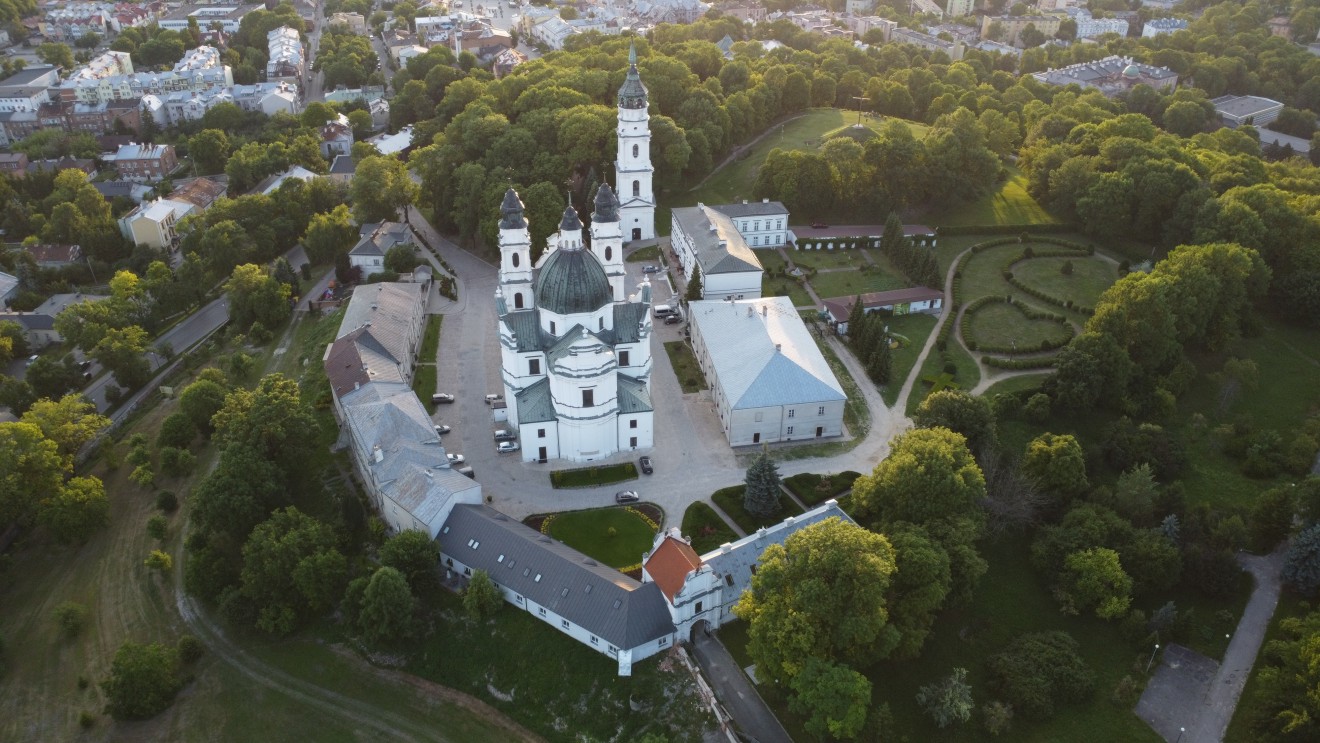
(637, 233)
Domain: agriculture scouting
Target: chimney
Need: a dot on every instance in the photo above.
(749, 311)
(377, 454)
(764, 310)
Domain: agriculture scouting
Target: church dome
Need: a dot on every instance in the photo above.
(633, 92)
(572, 282)
(607, 205)
(1132, 72)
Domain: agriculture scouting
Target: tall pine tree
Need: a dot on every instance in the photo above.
(855, 318)
(694, 286)
(761, 498)
(892, 240)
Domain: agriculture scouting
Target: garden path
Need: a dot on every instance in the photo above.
(732, 524)
(792, 496)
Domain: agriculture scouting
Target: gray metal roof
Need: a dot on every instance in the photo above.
(571, 220)
(628, 316)
(633, 92)
(512, 212)
(634, 397)
(720, 248)
(601, 600)
(29, 320)
(376, 238)
(526, 328)
(387, 311)
(571, 282)
(752, 209)
(607, 205)
(535, 405)
(762, 353)
(736, 564)
(577, 341)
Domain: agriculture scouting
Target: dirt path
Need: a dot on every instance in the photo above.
(743, 148)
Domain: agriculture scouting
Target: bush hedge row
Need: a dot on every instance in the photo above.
(1005, 229)
(1037, 362)
(1027, 310)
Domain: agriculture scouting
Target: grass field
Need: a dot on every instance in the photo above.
(1010, 204)
(589, 532)
(685, 367)
(705, 527)
(917, 329)
(1089, 278)
(808, 132)
(967, 373)
(830, 258)
(779, 286)
(1016, 384)
(730, 499)
(648, 254)
(852, 283)
(1000, 324)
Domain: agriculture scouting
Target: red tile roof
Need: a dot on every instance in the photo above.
(670, 564)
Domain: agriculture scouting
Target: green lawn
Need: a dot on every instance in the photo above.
(967, 375)
(917, 329)
(649, 254)
(808, 132)
(731, 501)
(430, 339)
(588, 477)
(830, 258)
(685, 367)
(851, 283)
(999, 324)
(771, 261)
(783, 287)
(589, 532)
(1090, 277)
(811, 488)
(1010, 204)
(705, 528)
(1016, 384)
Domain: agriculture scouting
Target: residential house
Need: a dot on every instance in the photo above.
(959, 8)
(336, 138)
(506, 60)
(271, 184)
(1160, 26)
(1280, 26)
(384, 321)
(13, 164)
(762, 223)
(155, 223)
(145, 162)
(393, 144)
(39, 324)
(228, 16)
(285, 61)
(375, 239)
(915, 300)
(706, 238)
(768, 379)
(926, 41)
(8, 288)
(352, 21)
(200, 192)
(860, 25)
(23, 98)
(342, 169)
(53, 256)
(749, 12)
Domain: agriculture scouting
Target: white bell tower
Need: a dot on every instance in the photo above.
(607, 241)
(515, 255)
(632, 170)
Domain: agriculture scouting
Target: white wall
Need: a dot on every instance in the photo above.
(740, 285)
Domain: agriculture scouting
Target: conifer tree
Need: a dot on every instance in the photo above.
(694, 286)
(892, 241)
(878, 367)
(761, 498)
(855, 316)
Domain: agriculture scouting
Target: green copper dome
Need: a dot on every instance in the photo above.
(572, 281)
(633, 92)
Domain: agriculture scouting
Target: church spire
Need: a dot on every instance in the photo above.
(633, 92)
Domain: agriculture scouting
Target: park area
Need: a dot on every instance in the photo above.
(615, 536)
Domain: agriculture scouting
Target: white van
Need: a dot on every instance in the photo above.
(663, 310)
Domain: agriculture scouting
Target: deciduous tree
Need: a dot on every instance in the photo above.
(387, 606)
(77, 511)
(1094, 579)
(949, 699)
(291, 568)
(142, 682)
(833, 697)
(414, 554)
(482, 598)
(381, 187)
(70, 422)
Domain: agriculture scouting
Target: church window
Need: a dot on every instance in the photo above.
(791, 413)
(552, 327)
(623, 358)
(517, 301)
(515, 260)
(632, 423)
(533, 366)
(601, 325)
(698, 607)
(637, 188)
(635, 150)
(588, 398)
(609, 252)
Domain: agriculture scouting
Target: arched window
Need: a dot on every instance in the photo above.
(517, 301)
(635, 150)
(609, 253)
(515, 260)
(637, 188)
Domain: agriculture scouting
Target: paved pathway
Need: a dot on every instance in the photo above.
(736, 691)
(1212, 721)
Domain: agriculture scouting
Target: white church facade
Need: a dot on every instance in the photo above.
(575, 351)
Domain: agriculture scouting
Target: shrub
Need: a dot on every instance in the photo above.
(1066, 269)
(176, 462)
(190, 649)
(86, 720)
(71, 617)
(1037, 408)
(997, 717)
(143, 681)
(166, 501)
(156, 527)
(1038, 672)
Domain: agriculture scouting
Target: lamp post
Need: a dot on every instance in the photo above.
(1180, 735)
(1152, 657)
(860, 99)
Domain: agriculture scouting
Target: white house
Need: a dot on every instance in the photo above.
(705, 237)
(39, 324)
(1160, 26)
(575, 353)
(768, 379)
(154, 223)
(374, 242)
(917, 299)
(761, 223)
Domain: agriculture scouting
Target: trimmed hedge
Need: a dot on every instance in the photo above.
(588, 477)
(1005, 229)
(1040, 362)
(813, 489)
(1042, 296)
(1031, 313)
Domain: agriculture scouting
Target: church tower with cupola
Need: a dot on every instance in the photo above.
(575, 353)
(632, 170)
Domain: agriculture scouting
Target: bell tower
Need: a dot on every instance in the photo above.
(607, 240)
(515, 254)
(632, 170)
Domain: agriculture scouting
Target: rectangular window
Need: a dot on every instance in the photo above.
(632, 423)
(623, 358)
(758, 225)
(540, 433)
(698, 607)
(663, 642)
(533, 366)
(588, 398)
(820, 410)
(779, 224)
(790, 430)
(756, 241)
(791, 412)
(540, 610)
(563, 623)
(633, 442)
(595, 640)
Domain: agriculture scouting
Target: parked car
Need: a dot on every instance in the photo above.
(673, 320)
(645, 464)
(441, 397)
(504, 447)
(819, 225)
(456, 458)
(504, 435)
(627, 496)
(493, 398)
(85, 364)
(650, 269)
(441, 429)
